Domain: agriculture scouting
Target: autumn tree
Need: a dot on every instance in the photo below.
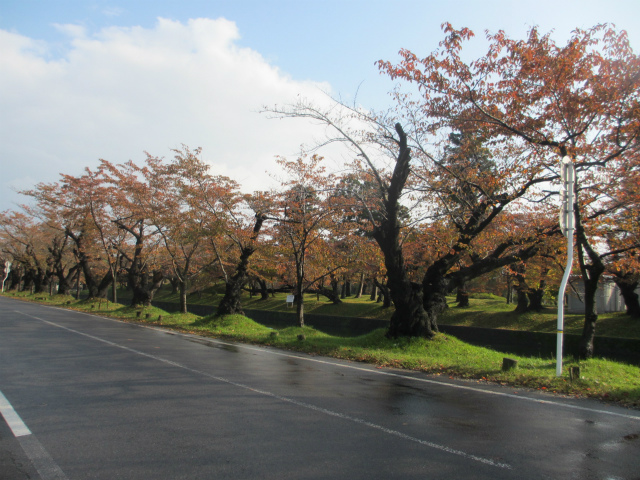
(304, 213)
(229, 223)
(171, 215)
(78, 206)
(135, 195)
(580, 99)
(26, 240)
(428, 181)
(245, 236)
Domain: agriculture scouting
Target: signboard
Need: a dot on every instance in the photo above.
(567, 174)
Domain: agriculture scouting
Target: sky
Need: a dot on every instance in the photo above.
(87, 80)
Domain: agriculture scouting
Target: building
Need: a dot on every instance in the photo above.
(608, 297)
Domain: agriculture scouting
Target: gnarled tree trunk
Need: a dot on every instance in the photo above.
(231, 302)
(628, 291)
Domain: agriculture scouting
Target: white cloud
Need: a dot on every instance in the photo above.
(128, 90)
(112, 11)
(70, 29)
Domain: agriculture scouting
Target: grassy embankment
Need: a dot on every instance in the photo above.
(444, 355)
(485, 310)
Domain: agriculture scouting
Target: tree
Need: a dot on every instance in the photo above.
(227, 221)
(247, 244)
(78, 207)
(581, 100)
(426, 183)
(26, 241)
(135, 195)
(305, 214)
(175, 217)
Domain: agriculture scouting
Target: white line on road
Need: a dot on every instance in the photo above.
(309, 406)
(14, 421)
(47, 468)
(445, 384)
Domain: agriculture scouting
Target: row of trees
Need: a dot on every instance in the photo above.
(460, 179)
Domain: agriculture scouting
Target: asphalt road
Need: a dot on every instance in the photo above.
(84, 397)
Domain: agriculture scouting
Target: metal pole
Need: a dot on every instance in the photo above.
(566, 223)
(7, 269)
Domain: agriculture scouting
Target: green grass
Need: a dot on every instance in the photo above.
(442, 355)
(496, 313)
(350, 307)
(485, 310)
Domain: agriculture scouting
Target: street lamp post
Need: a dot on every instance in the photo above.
(567, 174)
(7, 269)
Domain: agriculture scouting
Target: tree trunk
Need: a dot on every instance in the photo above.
(434, 291)
(522, 289)
(591, 268)
(332, 294)
(409, 318)
(535, 297)
(143, 292)
(84, 260)
(384, 295)
(590, 317)
(14, 280)
(628, 292)
(183, 296)
(175, 284)
(462, 296)
(114, 286)
(360, 286)
(300, 304)
(65, 282)
(39, 281)
(105, 283)
(264, 291)
(231, 303)
(523, 300)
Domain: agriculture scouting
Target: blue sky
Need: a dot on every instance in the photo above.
(82, 80)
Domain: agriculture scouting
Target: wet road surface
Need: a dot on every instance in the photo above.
(103, 399)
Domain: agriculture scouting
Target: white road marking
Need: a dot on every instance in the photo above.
(445, 384)
(14, 421)
(309, 406)
(47, 468)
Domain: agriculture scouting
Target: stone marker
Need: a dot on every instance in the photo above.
(508, 364)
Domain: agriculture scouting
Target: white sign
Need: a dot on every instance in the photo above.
(568, 174)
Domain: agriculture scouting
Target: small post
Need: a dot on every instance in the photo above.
(508, 364)
(574, 373)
